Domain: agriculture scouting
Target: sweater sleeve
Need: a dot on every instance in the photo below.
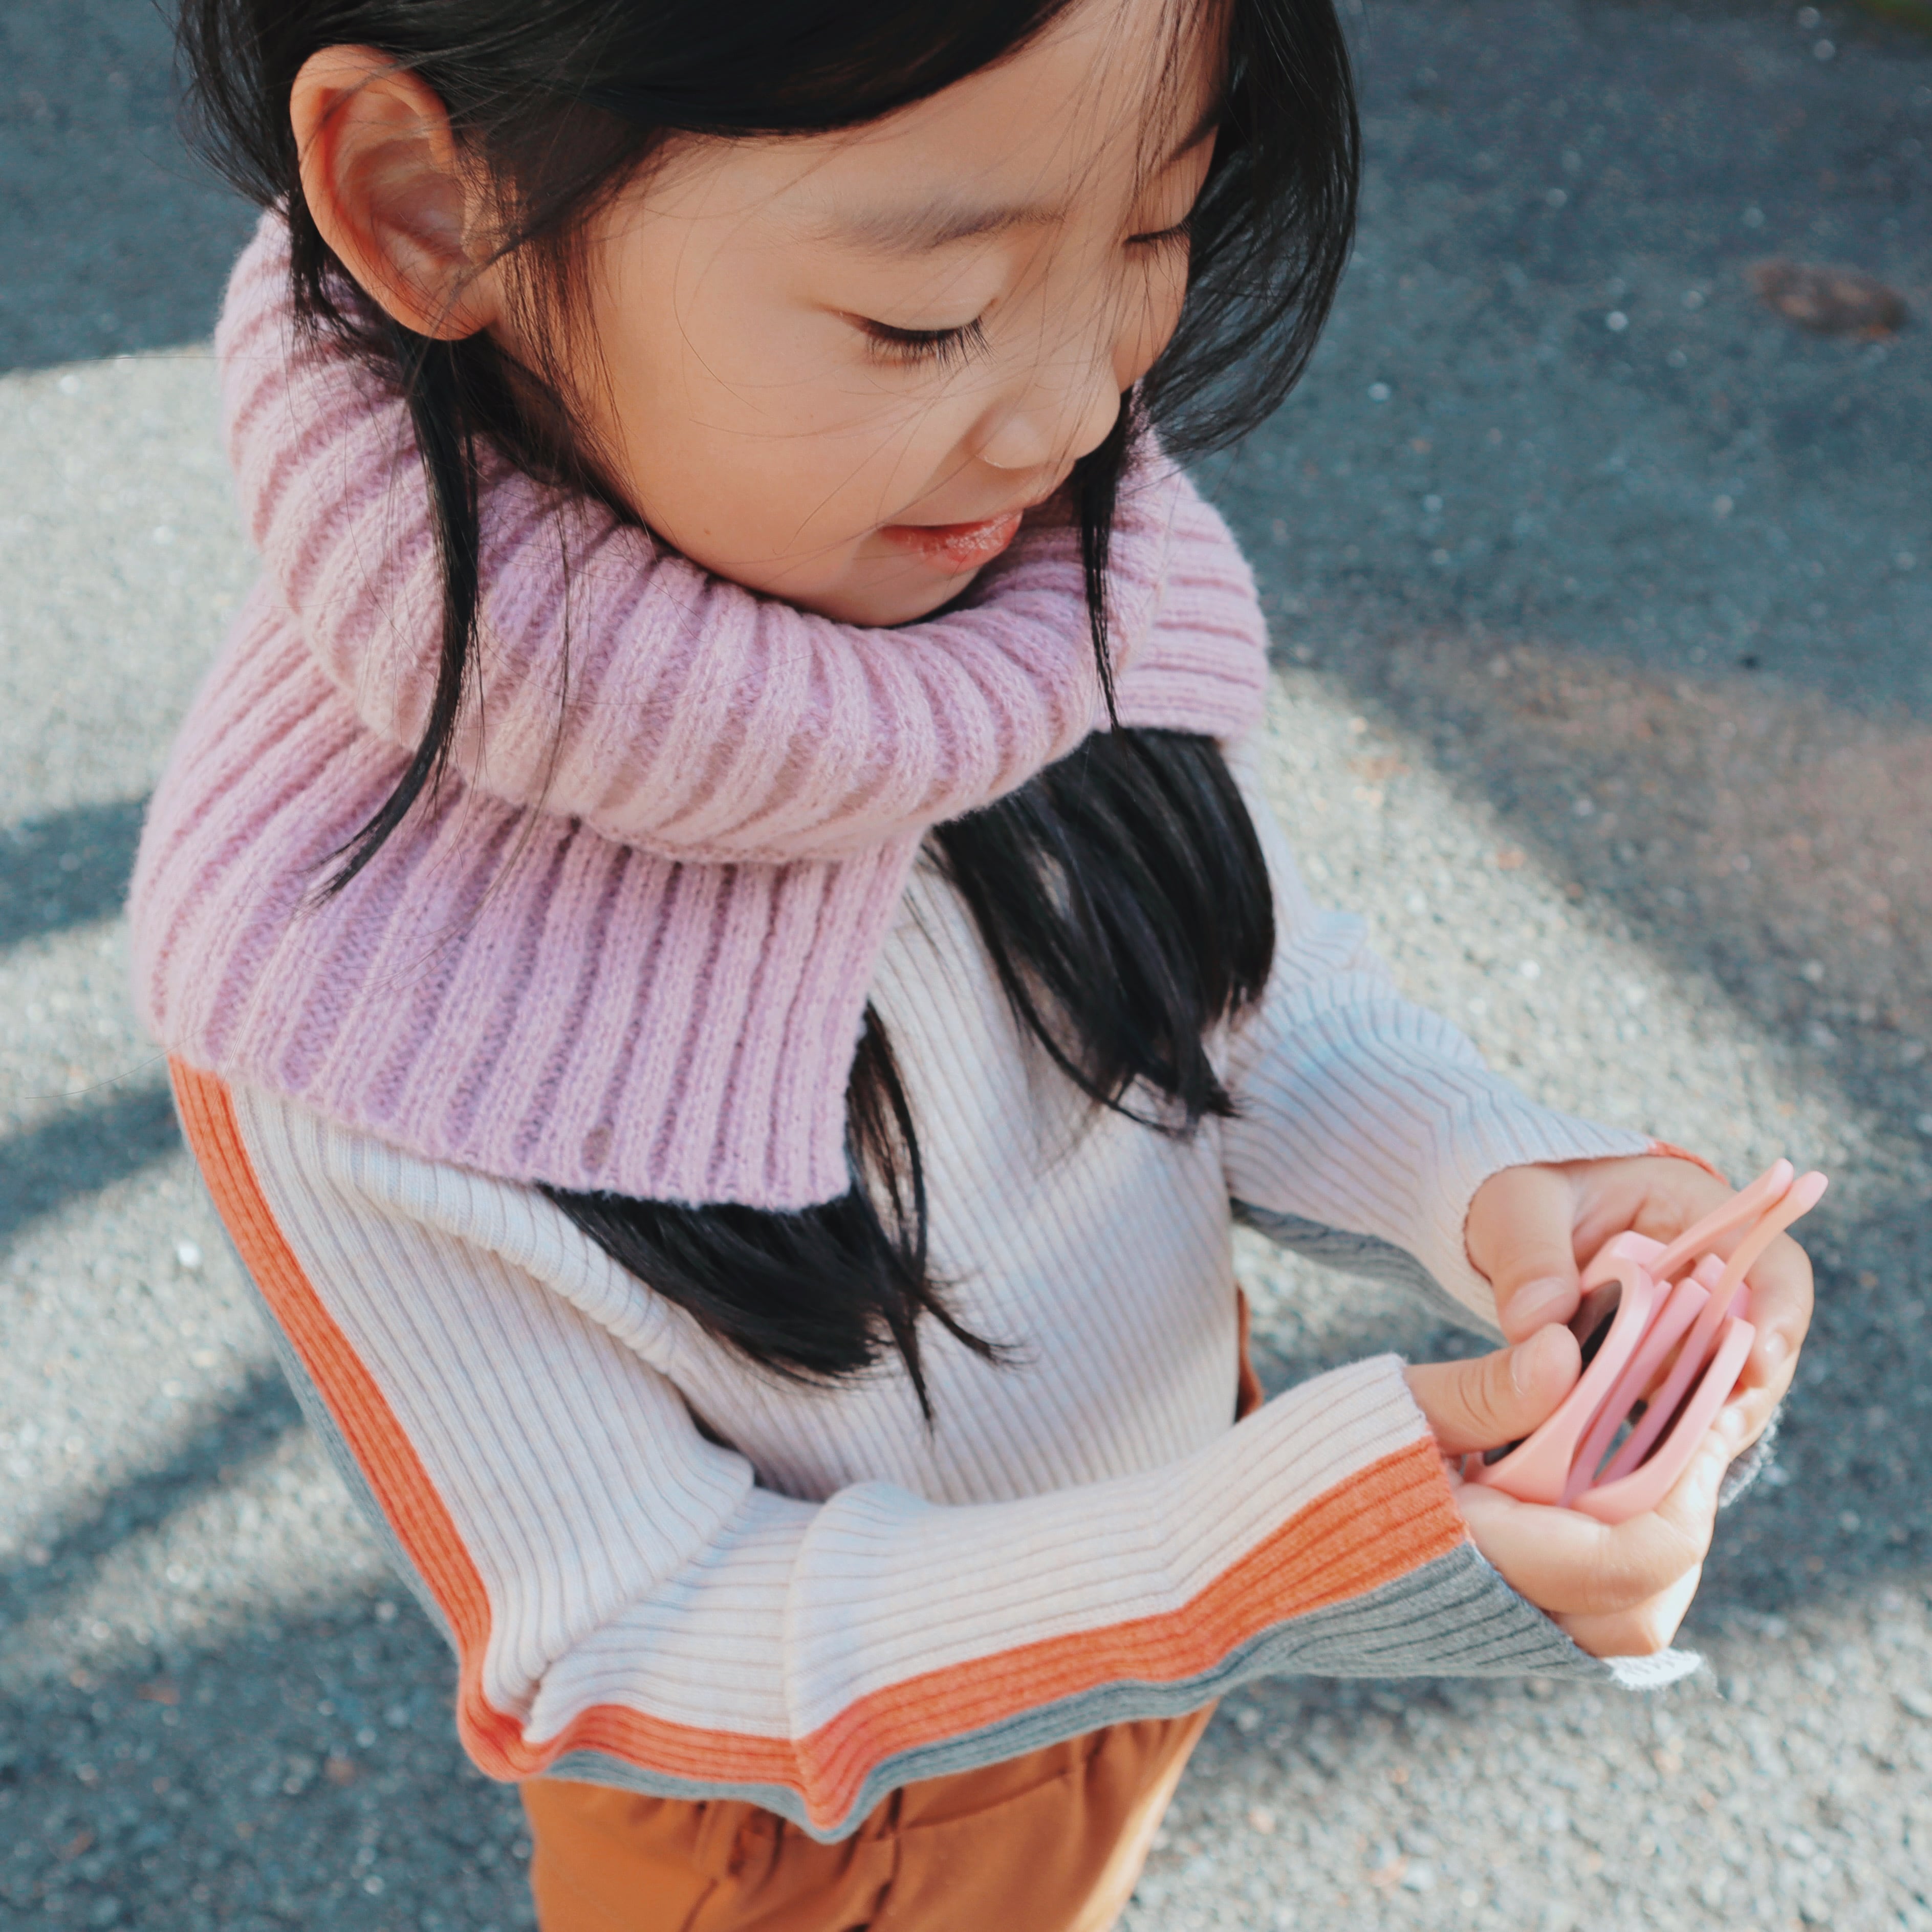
(1366, 1124)
(630, 1605)
(615, 682)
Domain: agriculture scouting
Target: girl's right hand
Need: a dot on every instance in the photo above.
(1617, 1589)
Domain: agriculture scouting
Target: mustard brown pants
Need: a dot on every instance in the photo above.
(1050, 1842)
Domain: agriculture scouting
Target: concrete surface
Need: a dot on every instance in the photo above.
(1605, 694)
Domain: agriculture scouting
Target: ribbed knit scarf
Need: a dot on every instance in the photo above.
(629, 944)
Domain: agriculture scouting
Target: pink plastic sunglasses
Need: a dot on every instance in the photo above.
(1610, 1449)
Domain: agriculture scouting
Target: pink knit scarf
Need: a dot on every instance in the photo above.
(630, 946)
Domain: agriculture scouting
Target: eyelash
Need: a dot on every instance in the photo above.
(945, 348)
(942, 348)
(1182, 231)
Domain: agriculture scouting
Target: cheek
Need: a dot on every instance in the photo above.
(796, 468)
(746, 426)
(778, 484)
(726, 432)
(800, 476)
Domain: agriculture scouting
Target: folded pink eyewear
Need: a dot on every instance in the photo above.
(1665, 1333)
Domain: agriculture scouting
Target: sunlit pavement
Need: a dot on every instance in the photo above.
(1605, 695)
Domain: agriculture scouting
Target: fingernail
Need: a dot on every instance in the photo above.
(1538, 1302)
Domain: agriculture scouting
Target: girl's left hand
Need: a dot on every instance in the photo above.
(1530, 1230)
(1618, 1589)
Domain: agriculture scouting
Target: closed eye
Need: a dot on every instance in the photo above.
(1178, 236)
(935, 348)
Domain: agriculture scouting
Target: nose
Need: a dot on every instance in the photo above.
(1055, 422)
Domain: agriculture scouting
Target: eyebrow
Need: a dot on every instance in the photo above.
(939, 223)
(936, 224)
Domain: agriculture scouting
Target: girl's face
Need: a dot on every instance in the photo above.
(839, 368)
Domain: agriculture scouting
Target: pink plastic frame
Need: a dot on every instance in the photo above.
(1694, 1318)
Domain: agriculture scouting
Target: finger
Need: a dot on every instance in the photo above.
(1654, 1194)
(1521, 1235)
(1497, 1398)
(1641, 1632)
(1747, 1413)
(1780, 1311)
(1570, 1564)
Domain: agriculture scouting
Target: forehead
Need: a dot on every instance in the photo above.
(1082, 116)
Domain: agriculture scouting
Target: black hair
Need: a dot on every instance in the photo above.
(1121, 894)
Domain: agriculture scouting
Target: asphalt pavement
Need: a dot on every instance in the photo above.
(1604, 598)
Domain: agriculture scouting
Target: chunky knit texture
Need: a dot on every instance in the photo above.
(629, 946)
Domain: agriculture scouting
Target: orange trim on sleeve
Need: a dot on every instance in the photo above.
(1393, 1517)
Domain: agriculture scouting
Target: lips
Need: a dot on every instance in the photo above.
(953, 549)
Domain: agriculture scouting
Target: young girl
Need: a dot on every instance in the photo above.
(728, 972)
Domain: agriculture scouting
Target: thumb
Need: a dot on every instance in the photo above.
(1499, 1398)
(1520, 1234)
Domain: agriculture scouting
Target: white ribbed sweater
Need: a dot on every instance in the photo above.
(665, 1570)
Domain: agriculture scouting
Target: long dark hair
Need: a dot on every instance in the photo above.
(1121, 894)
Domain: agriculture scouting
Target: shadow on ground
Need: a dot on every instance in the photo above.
(85, 1147)
(244, 1426)
(114, 240)
(67, 869)
(301, 1774)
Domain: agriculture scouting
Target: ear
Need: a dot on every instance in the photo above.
(391, 193)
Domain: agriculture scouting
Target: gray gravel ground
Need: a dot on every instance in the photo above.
(1605, 694)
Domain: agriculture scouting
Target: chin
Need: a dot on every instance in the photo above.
(902, 598)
